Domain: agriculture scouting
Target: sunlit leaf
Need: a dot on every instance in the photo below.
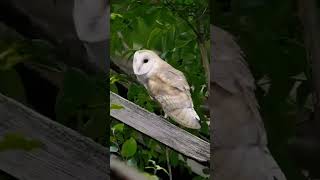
(129, 148)
(118, 127)
(151, 177)
(116, 107)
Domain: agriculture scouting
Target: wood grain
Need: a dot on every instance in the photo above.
(160, 129)
(65, 154)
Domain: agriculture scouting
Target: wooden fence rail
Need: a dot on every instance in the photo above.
(64, 154)
(160, 129)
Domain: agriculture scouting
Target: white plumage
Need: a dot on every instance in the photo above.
(166, 85)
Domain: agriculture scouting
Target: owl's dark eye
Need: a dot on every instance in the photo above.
(145, 60)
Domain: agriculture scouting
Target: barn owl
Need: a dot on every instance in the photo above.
(167, 86)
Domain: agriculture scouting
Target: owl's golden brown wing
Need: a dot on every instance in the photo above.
(173, 77)
(170, 88)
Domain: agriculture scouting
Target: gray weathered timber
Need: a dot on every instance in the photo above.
(159, 129)
(65, 155)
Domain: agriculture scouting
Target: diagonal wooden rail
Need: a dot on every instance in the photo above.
(64, 154)
(158, 128)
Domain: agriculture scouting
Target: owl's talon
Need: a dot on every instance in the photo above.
(165, 116)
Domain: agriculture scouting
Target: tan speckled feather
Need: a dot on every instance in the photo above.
(170, 88)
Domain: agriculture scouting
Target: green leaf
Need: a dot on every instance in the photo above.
(116, 106)
(113, 88)
(161, 168)
(154, 39)
(118, 127)
(115, 15)
(10, 58)
(174, 158)
(129, 148)
(151, 177)
(170, 38)
(113, 79)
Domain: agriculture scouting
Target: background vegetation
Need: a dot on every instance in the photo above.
(271, 35)
(179, 31)
(33, 72)
(269, 32)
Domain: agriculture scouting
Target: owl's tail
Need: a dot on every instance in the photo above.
(187, 117)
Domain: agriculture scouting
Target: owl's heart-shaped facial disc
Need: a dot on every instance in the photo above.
(144, 61)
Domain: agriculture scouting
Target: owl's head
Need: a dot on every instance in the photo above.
(144, 61)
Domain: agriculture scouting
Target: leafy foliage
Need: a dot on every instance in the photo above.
(81, 104)
(13, 51)
(78, 100)
(81, 99)
(129, 148)
(176, 30)
(271, 36)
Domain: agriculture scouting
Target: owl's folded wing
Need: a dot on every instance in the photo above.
(174, 78)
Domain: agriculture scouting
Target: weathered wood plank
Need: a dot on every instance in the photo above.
(65, 154)
(160, 129)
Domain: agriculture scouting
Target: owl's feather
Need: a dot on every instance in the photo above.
(173, 77)
(168, 86)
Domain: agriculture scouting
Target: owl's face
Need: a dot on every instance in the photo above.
(144, 61)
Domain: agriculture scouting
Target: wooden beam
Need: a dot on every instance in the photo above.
(65, 154)
(160, 129)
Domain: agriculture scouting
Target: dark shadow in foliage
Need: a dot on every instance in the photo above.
(271, 36)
